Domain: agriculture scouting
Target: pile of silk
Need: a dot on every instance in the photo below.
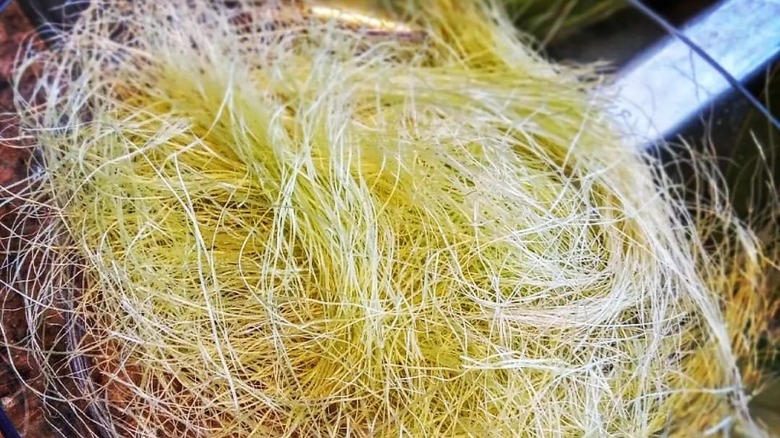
(294, 220)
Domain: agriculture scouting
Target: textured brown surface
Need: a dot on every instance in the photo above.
(19, 374)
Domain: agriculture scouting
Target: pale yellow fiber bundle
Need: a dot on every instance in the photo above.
(266, 223)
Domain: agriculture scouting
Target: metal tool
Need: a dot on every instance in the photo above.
(670, 83)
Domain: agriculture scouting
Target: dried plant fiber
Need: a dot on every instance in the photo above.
(271, 221)
(546, 20)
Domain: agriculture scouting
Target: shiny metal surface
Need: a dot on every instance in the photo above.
(669, 84)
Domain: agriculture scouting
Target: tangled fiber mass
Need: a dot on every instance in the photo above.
(272, 221)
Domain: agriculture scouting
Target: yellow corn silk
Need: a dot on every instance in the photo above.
(292, 223)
